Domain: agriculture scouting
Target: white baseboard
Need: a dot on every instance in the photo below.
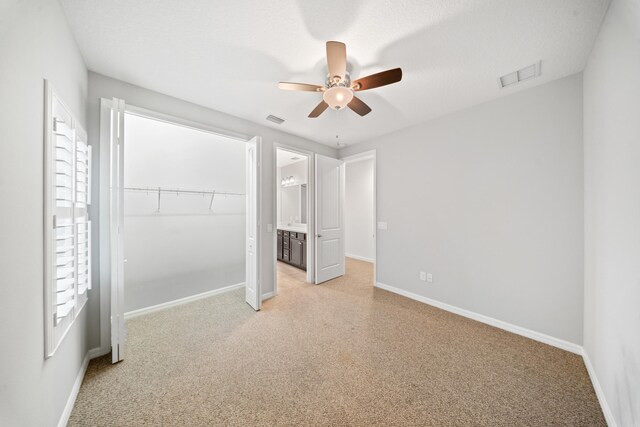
(98, 351)
(180, 301)
(64, 418)
(606, 409)
(360, 258)
(267, 295)
(537, 336)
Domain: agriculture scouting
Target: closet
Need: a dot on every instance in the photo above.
(184, 213)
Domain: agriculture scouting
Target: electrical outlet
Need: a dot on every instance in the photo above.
(382, 225)
(423, 276)
(430, 278)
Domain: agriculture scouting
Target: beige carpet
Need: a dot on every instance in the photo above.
(342, 353)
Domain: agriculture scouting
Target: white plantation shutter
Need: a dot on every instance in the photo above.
(83, 225)
(67, 225)
(63, 140)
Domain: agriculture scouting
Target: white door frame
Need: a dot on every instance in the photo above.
(104, 214)
(366, 155)
(253, 169)
(311, 191)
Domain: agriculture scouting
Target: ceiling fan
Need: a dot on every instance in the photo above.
(338, 91)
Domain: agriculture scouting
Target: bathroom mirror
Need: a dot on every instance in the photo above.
(293, 204)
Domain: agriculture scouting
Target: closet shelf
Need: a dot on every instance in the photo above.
(179, 191)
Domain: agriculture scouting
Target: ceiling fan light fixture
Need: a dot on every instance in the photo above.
(338, 91)
(337, 97)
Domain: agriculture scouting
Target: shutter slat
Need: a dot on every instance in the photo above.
(64, 284)
(63, 296)
(64, 272)
(63, 260)
(63, 310)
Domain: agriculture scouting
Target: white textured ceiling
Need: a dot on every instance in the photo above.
(229, 55)
(286, 158)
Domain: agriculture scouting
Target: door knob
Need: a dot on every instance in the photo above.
(318, 235)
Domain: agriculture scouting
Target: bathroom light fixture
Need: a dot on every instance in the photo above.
(288, 181)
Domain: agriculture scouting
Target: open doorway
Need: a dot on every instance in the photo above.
(360, 213)
(293, 254)
(182, 215)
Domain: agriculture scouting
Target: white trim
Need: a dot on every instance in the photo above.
(64, 418)
(267, 295)
(360, 258)
(537, 336)
(606, 409)
(135, 313)
(104, 223)
(365, 155)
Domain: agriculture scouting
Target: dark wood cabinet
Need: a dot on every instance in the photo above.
(292, 248)
(279, 248)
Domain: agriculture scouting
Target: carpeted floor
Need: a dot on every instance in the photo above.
(342, 353)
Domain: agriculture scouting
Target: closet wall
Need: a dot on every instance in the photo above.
(184, 244)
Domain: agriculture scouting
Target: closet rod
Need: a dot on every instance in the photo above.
(182, 191)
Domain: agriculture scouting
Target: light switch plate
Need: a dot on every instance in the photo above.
(382, 225)
(430, 278)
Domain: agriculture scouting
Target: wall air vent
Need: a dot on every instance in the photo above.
(274, 119)
(523, 74)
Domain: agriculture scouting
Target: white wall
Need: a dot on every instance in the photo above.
(358, 210)
(105, 87)
(185, 249)
(612, 210)
(35, 43)
(490, 201)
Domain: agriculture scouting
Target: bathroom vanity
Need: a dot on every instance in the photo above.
(292, 246)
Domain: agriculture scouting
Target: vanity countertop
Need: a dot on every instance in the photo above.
(298, 228)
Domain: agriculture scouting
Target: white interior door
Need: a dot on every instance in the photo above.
(116, 214)
(329, 218)
(252, 280)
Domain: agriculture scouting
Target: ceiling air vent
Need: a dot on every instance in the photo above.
(523, 74)
(274, 119)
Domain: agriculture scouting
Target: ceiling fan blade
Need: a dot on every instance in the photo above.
(379, 79)
(300, 87)
(337, 59)
(359, 107)
(318, 110)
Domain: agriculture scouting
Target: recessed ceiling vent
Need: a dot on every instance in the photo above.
(274, 119)
(523, 74)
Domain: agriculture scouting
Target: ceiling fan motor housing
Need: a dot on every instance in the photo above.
(338, 92)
